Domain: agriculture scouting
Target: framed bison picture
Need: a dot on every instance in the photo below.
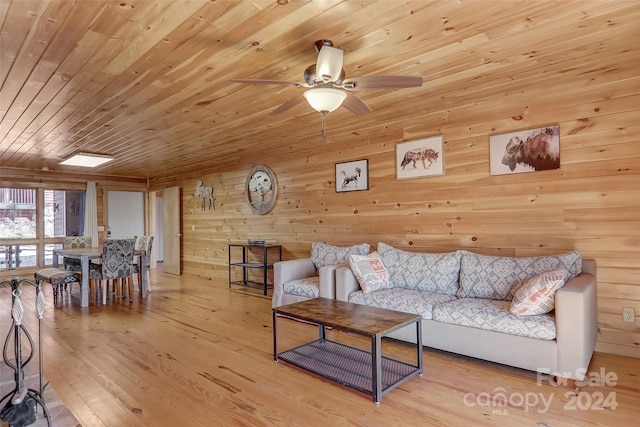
(419, 158)
(525, 151)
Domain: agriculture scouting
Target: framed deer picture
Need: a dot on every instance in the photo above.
(420, 158)
(352, 176)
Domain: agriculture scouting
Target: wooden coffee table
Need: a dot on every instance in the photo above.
(368, 372)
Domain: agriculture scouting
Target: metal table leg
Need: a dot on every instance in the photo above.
(419, 346)
(275, 336)
(376, 369)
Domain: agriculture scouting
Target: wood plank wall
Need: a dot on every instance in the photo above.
(592, 204)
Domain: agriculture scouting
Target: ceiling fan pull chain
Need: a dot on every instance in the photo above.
(324, 123)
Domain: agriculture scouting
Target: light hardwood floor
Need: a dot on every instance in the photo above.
(195, 353)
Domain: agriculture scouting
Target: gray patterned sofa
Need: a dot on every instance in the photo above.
(465, 300)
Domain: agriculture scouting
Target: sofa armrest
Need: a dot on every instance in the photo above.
(328, 280)
(346, 283)
(285, 271)
(576, 325)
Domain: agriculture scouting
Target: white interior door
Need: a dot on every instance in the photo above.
(125, 213)
(171, 233)
(159, 226)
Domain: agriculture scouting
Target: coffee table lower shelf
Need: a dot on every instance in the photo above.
(347, 365)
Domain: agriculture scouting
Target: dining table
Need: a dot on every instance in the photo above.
(85, 255)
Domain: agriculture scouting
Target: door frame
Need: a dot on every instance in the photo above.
(172, 230)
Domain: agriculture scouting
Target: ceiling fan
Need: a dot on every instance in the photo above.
(328, 88)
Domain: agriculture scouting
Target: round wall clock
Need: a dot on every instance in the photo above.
(261, 189)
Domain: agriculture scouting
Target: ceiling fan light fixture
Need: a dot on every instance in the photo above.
(324, 99)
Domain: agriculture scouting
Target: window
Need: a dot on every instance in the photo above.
(12, 256)
(17, 213)
(48, 252)
(33, 222)
(63, 213)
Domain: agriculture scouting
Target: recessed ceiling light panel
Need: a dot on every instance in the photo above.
(86, 160)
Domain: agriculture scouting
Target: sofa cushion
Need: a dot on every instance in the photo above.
(324, 254)
(429, 272)
(407, 300)
(309, 287)
(538, 294)
(493, 315)
(496, 277)
(370, 272)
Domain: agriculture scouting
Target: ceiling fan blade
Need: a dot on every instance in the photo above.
(329, 63)
(268, 82)
(355, 105)
(382, 82)
(289, 104)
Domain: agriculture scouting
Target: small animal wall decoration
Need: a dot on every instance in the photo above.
(424, 155)
(346, 179)
(539, 151)
(206, 194)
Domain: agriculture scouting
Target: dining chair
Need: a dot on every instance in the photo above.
(135, 257)
(144, 243)
(117, 264)
(132, 236)
(72, 264)
(57, 277)
(70, 242)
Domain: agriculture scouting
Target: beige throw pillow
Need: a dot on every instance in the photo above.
(370, 272)
(537, 294)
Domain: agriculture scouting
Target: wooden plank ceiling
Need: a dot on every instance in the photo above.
(147, 81)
